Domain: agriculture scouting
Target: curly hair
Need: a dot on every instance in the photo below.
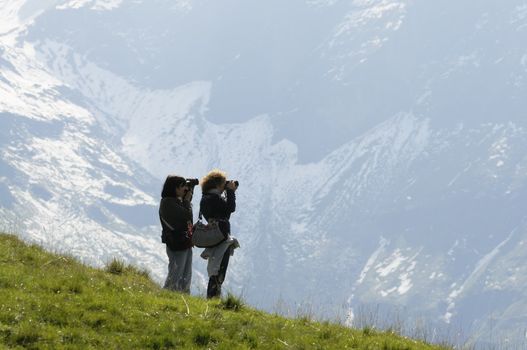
(212, 180)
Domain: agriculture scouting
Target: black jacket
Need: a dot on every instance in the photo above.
(175, 216)
(214, 206)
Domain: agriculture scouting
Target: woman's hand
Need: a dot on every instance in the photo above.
(188, 196)
(231, 186)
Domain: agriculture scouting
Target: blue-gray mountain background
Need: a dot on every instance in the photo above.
(380, 146)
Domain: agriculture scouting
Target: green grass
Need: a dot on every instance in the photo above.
(49, 301)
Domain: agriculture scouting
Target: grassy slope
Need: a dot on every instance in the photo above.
(50, 301)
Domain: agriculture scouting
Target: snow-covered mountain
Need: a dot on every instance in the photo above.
(379, 145)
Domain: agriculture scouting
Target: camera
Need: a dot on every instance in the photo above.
(191, 183)
(236, 183)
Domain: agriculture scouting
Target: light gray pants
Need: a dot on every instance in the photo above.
(179, 270)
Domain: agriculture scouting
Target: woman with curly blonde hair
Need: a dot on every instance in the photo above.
(217, 204)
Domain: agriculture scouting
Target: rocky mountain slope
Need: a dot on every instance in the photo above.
(379, 145)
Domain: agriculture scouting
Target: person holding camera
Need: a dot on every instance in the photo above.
(217, 204)
(175, 213)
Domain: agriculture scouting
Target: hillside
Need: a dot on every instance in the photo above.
(53, 301)
(380, 145)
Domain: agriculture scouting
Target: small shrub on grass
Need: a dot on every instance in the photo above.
(159, 342)
(26, 335)
(202, 337)
(5, 283)
(71, 337)
(232, 302)
(5, 331)
(115, 266)
(325, 334)
(118, 267)
(251, 339)
(75, 288)
(138, 271)
(54, 315)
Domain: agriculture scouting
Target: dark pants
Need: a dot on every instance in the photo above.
(215, 282)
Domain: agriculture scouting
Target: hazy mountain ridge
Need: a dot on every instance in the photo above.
(63, 176)
(415, 210)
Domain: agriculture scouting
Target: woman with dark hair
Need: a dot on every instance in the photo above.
(216, 207)
(175, 213)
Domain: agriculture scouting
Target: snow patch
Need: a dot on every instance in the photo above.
(74, 4)
(373, 257)
(471, 281)
(406, 284)
(321, 3)
(523, 61)
(365, 29)
(391, 264)
(28, 90)
(299, 227)
(97, 5)
(519, 17)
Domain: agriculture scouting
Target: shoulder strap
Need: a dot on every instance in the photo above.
(166, 223)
